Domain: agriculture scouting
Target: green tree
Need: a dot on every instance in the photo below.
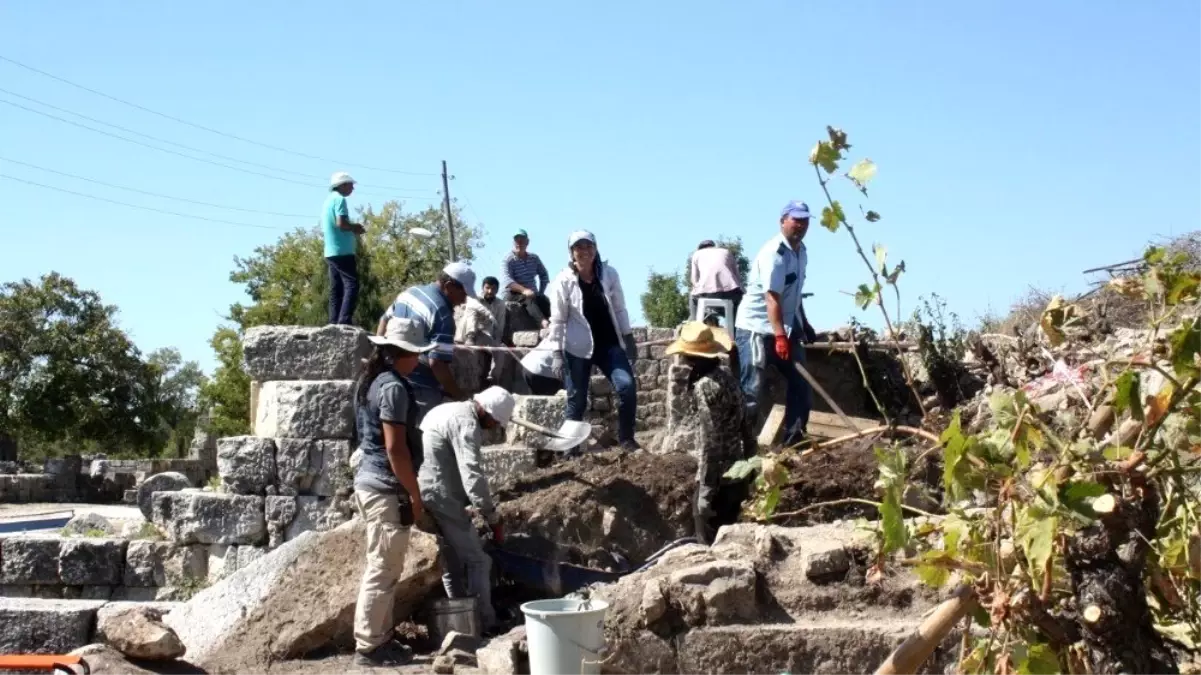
(288, 284)
(663, 304)
(175, 393)
(70, 379)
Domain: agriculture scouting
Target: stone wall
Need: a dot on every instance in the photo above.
(98, 481)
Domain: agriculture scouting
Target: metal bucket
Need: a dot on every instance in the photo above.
(454, 614)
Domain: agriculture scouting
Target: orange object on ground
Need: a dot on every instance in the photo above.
(48, 662)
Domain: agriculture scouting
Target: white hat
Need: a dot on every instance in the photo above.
(462, 273)
(403, 333)
(497, 402)
(580, 235)
(340, 178)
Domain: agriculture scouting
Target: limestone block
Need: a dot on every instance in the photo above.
(297, 464)
(37, 626)
(296, 599)
(222, 562)
(544, 411)
(210, 518)
(89, 524)
(303, 352)
(306, 409)
(599, 385)
(317, 514)
(525, 338)
(503, 463)
(151, 564)
(29, 561)
(333, 474)
(717, 592)
(246, 464)
(137, 631)
(657, 334)
(84, 562)
(280, 512)
(168, 481)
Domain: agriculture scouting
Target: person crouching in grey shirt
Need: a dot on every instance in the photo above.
(452, 479)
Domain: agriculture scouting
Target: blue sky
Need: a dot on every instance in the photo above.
(1019, 143)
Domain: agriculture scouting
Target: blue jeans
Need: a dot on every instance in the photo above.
(343, 288)
(614, 364)
(798, 398)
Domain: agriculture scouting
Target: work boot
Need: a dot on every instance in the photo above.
(630, 446)
(388, 655)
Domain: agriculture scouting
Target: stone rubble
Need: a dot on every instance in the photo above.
(137, 631)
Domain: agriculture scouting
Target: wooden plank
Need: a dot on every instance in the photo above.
(772, 426)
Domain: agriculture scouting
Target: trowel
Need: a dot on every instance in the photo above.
(569, 436)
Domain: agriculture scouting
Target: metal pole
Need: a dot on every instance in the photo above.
(450, 221)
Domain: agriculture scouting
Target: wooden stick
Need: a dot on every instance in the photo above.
(916, 648)
(911, 431)
(536, 427)
(829, 400)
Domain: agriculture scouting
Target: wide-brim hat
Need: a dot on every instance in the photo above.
(700, 339)
(405, 334)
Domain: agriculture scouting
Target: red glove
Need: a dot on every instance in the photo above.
(498, 533)
(782, 348)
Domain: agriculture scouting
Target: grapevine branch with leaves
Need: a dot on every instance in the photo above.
(1074, 538)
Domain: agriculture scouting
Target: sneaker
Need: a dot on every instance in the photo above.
(388, 655)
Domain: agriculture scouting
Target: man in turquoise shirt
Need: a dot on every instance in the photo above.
(341, 242)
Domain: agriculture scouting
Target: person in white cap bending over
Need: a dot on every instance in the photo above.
(432, 306)
(452, 479)
(385, 484)
(589, 326)
(341, 246)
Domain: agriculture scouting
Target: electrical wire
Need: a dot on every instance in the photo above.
(208, 129)
(138, 206)
(180, 154)
(147, 192)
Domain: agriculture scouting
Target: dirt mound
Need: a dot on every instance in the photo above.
(585, 510)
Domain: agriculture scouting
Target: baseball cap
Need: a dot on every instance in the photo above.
(580, 235)
(340, 178)
(497, 402)
(796, 209)
(462, 273)
(520, 233)
(404, 333)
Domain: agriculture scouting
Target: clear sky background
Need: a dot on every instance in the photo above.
(1019, 143)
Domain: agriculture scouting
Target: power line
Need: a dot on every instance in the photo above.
(152, 194)
(177, 153)
(138, 206)
(208, 129)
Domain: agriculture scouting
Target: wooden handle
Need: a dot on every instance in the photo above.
(916, 648)
(535, 427)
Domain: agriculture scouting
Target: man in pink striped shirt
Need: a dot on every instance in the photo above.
(714, 274)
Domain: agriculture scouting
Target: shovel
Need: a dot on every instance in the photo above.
(570, 435)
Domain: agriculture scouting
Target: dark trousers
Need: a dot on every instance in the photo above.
(756, 353)
(541, 385)
(718, 503)
(615, 365)
(735, 295)
(538, 307)
(343, 288)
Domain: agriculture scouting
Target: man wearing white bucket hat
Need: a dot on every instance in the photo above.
(341, 247)
(452, 479)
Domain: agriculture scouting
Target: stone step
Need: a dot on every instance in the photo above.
(41, 626)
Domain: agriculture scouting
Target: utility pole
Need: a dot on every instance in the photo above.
(450, 220)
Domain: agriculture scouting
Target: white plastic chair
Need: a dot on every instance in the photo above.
(703, 305)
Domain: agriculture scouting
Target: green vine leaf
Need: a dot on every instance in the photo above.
(862, 173)
(1184, 288)
(1036, 533)
(953, 446)
(892, 480)
(826, 156)
(832, 216)
(881, 256)
(1126, 395)
(838, 138)
(1038, 659)
(1185, 345)
(866, 295)
(872, 216)
(895, 274)
(744, 467)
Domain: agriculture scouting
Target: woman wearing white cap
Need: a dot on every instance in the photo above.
(452, 478)
(385, 483)
(590, 326)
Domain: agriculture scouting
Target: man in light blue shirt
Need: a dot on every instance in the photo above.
(341, 243)
(771, 329)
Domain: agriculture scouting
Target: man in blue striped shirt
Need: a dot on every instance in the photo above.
(522, 270)
(432, 307)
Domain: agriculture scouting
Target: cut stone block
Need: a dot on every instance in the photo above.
(210, 518)
(304, 353)
(502, 463)
(159, 563)
(29, 561)
(246, 464)
(546, 411)
(334, 477)
(83, 562)
(137, 631)
(317, 514)
(37, 626)
(248, 554)
(280, 512)
(296, 599)
(295, 468)
(168, 481)
(306, 409)
(222, 562)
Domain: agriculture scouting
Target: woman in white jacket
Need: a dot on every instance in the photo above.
(590, 327)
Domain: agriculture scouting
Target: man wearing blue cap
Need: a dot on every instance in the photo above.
(432, 307)
(525, 278)
(771, 328)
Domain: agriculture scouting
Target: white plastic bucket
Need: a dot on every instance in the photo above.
(563, 638)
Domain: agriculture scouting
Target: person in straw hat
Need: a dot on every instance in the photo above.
(714, 401)
(453, 479)
(385, 483)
